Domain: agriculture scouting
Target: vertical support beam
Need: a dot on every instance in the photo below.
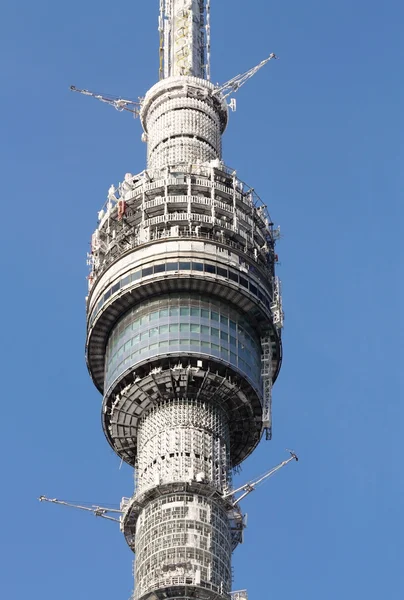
(143, 208)
(266, 372)
(207, 41)
(167, 37)
(276, 306)
(235, 224)
(161, 40)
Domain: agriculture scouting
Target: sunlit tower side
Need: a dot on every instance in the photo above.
(184, 316)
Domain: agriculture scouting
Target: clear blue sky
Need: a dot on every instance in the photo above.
(319, 136)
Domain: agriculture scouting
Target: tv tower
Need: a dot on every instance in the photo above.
(184, 319)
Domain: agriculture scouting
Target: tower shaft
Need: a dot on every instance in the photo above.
(183, 122)
(183, 538)
(183, 321)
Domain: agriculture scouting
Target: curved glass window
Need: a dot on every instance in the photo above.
(184, 323)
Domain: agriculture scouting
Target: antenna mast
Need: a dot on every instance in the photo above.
(184, 27)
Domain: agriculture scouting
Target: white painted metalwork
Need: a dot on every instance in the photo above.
(209, 198)
(266, 373)
(118, 103)
(183, 441)
(207, 38)
(183, 539)
(249, 487)
(182, 122)
(233, 85)
(97, 511)
(277, 309)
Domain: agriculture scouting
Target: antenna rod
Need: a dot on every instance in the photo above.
(250, 487)
(98, 511)
(233, 85)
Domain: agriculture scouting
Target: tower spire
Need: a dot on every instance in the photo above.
(184, 27)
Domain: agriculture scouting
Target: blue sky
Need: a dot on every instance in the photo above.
(318, 134)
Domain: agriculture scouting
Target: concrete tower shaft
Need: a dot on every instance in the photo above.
(183, 325)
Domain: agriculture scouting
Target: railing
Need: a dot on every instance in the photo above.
(204, 182)
(184, 199)
(169, 217)
(142, 183)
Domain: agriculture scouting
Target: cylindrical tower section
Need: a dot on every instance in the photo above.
(183, 549)
(183, 539)
(183, 440)
(183, 123)
(179, 325)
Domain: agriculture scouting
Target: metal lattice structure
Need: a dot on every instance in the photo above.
(184, 316)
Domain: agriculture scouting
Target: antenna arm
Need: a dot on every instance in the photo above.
(119, 104)
(248, 491)
(247, 488)
(233, 85)
(98, 511)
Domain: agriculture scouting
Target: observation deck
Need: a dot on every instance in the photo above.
(183, 276)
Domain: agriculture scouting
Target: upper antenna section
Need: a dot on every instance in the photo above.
(184, 27)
